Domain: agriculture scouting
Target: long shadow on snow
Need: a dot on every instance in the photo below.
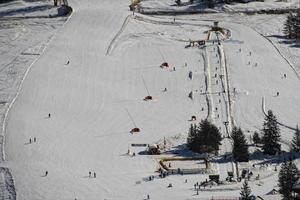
(277, 36)
(195, 6)
(180, 151)
(5, 1)
(258, 155)
(296, 45)
(29, 9)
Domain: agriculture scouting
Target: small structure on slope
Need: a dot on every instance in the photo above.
(148, 97)
(164, 64)
(135, 129)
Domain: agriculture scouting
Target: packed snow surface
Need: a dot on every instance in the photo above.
(92, 80)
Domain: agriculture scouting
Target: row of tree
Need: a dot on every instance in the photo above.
(292, 26)
(206, 138)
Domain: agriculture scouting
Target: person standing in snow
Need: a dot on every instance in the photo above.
(34, 139)
(94, 174)
(90, 173)
(191, 95)
(49, 115)
(46, 173)
(190, 75)
(29, 140)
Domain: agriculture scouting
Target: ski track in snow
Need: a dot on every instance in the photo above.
(110, 46)
(266, 114)
(7, 186)
(88, 97)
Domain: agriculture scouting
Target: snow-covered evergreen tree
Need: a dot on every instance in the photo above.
(297, 25)
(296, 141)
(288, 26)
(205, 137)
(191, 137)
(256, 138)
(240, 147)
(287, 177)
(292, 26)
(245, 192)
(271, 135)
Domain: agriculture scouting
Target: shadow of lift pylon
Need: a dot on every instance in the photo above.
(135, 129)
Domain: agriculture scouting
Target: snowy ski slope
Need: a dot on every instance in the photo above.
(111, 52)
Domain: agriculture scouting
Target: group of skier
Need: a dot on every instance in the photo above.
(90, 174)
(30, 140)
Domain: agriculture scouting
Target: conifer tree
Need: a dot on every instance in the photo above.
(256, 138)
(245, 192)
(297, 25)
(240, 147)
(288, 26)
(271, 135)
(205, 137)
(191, 137)
(296, 141)
(288, 175)
(292, 26)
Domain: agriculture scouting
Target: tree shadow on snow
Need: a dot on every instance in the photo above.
(6, 1)
(27, 143)
(26, 10)
(262, 158)
(277, 36)
(287, 41)
(197, 5)
(296, 45)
